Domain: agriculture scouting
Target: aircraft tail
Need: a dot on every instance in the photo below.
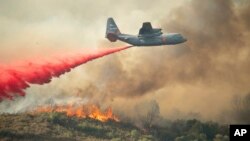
(112, 30)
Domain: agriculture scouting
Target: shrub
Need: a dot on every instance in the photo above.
(116, 139)
(134, 134)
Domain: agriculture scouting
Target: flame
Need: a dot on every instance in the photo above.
(80, 111)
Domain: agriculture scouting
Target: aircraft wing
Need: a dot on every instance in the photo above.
(147, 30)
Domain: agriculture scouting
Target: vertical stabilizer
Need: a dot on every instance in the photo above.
(112, 30)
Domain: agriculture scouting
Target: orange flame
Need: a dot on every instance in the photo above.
(80, 111)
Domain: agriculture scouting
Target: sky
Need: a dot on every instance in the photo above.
(199, 78)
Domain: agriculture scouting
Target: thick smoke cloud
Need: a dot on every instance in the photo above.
(209, 69)
(201, 76)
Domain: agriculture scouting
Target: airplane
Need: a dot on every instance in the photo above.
(148, 36)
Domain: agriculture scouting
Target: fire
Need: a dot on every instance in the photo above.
(80, 111)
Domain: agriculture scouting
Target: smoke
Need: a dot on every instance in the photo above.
(17, 77)
(198, 79)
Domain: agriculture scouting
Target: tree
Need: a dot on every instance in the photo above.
(148, 113)
(241, 110)
(153, 113)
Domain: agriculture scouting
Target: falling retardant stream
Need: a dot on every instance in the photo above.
(14, 78)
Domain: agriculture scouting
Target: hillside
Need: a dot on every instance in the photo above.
(57, 126)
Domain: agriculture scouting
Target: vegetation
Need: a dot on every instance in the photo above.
(57, 126)
(241, 111)
(191, 130)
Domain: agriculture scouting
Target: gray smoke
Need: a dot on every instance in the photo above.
(198, 78)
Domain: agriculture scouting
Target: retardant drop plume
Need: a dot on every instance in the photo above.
(16, 77)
